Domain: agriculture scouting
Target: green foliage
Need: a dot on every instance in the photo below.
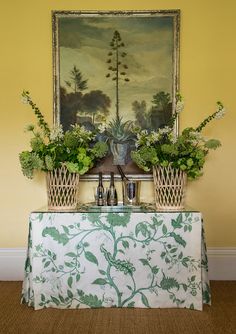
(90, 300)
(168, 283)
(77, 148)
(186, 152)
(61, 238)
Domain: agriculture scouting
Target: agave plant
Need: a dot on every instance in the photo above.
(119, 131)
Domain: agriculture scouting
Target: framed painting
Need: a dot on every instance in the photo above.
(113, 70)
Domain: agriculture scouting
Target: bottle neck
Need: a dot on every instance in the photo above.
(112, 180)
(100, 179)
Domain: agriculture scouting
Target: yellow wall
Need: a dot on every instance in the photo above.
(207, 73)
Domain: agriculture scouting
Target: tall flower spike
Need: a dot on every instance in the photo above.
(41, 122)
(219, 113)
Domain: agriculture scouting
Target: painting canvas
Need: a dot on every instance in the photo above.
(114, 71)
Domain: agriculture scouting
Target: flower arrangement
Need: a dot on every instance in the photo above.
(77, 148)
(186, 152)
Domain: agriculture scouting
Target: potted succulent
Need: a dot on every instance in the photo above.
(172, 158)
(118, 134)
(63, 156)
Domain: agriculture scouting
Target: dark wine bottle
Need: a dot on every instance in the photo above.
(100, 191)
(112, 198)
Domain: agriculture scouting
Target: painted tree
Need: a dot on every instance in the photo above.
(77, 82)
(96, 103)
(117, 68)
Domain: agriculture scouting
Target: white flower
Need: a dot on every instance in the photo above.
(155, 136)
(102, 127)
(220, 113)
(179, 106)
(164, 130)
(24, 100)
(56, 133)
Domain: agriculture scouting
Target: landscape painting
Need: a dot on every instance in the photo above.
(114, 71)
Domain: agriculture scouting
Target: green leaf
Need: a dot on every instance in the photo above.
(47, 264)
(191, 306)
(68, 264)
(100, 281)
(90, 300)
(121, 251)
(129, 287)
(65, 228)
(118, 219)
(61, 238)
(91, 257)
(144, 262)
(180, 255)
(163, 254)
(168, 283)
(43, 298)
(102, 272)
(55, 300)
(178, 239)
(155, 270)
(61, 299)
(193, 278)
(141, 227)
(70, 281)
(157, 222)
(77, 277)
(144, 300)
(177, 223)
(131, 304)
(40, 216)
(164, 229)
(71, 254)
(125, 244)
(69, 294)
(185, 287)
(173, 250)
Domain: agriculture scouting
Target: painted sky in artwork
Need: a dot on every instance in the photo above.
(84, 42)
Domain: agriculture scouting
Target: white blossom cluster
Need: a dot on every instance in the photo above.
(179, 106)
(220, 112)
(56, 133)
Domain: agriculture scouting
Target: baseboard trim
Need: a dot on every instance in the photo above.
(222, 263)
(12, 263)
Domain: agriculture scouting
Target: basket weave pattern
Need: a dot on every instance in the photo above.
(62, 189)
(169, 187)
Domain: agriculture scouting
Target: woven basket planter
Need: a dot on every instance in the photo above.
(62, 189)
(170, 187)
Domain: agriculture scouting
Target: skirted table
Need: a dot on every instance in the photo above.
(116, 259)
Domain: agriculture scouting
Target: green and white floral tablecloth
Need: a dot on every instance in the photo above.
(94, 259)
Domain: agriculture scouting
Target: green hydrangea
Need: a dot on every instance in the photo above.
(49, 162)
(30, 161)
(100, 149)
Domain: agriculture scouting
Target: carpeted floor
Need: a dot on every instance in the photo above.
(220, 318)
